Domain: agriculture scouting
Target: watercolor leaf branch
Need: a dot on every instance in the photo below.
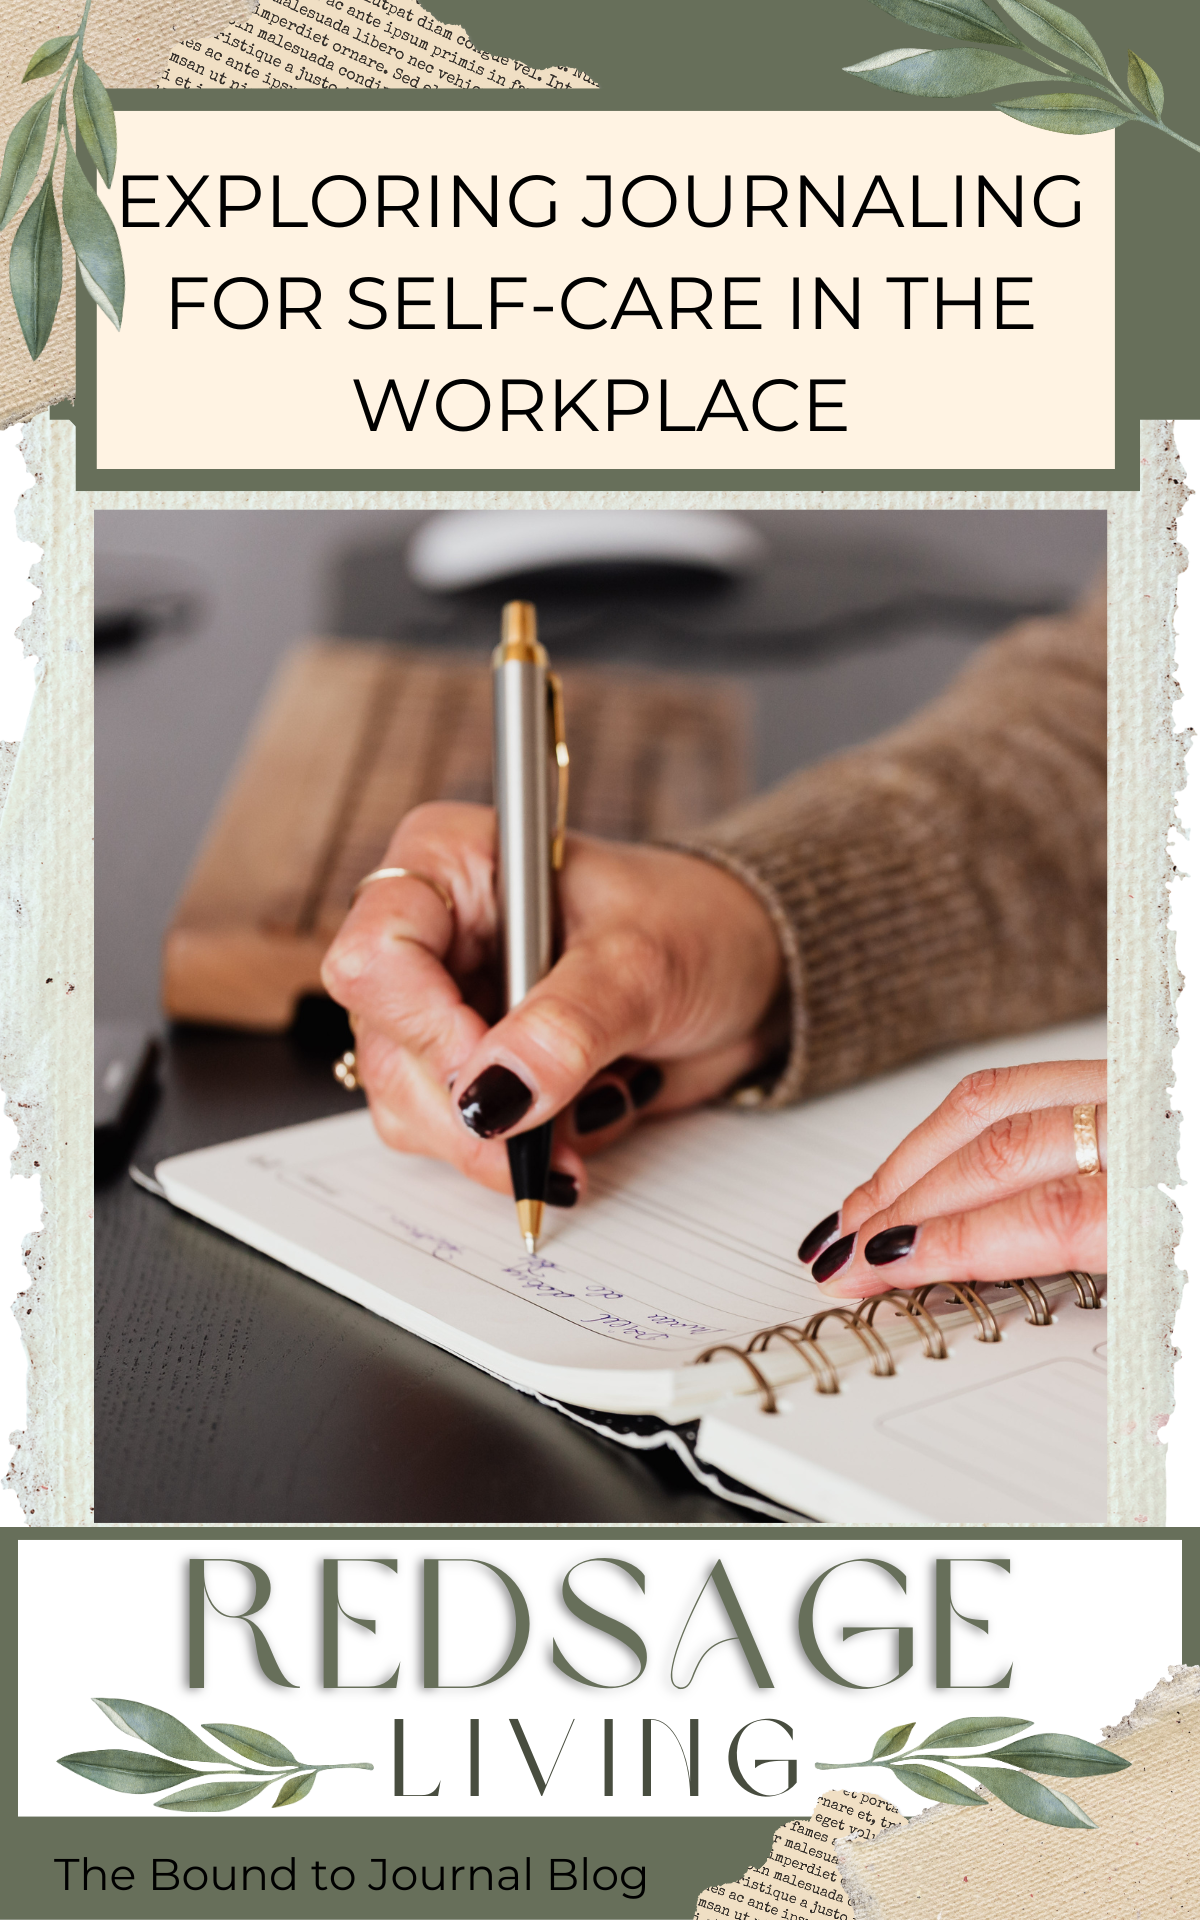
(36, 262)
(127, 1770)
(1055, 45)
(1061, 1755)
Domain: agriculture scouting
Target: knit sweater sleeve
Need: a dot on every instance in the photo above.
(945, 882)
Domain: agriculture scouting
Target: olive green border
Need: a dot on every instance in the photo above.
(774, 54)
(682, 1855)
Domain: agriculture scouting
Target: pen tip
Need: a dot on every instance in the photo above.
(529, 1221)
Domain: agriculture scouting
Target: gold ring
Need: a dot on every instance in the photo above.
(1087, 1144)
(345, 1072)
(406, 873)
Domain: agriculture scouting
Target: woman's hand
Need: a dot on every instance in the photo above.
(669, 967)
(987, 1188)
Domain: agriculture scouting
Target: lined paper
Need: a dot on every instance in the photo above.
(687, 1239)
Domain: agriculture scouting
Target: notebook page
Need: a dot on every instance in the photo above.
(993, 1434)
(687, 1239)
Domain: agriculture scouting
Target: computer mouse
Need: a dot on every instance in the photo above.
(453, 551)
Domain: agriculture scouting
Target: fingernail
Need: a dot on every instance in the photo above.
(600, 1108)
(645, 1084)
(834, 1258)
(495, 1102)
(894, 1243)
(820, 1237)
(562, 1189)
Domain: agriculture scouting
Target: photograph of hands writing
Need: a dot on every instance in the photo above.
(726, 890)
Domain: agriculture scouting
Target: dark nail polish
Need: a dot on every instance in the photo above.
(600, 1108)
(562, 1189)
(894, 1243)
(495, 1102)
(820, 1236)
(834, 1258)
(644, 1084)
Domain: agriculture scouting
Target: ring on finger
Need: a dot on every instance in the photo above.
(406, 873)
(345, 1072)
(1087, 1142)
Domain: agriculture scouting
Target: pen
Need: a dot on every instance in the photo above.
(528, 739)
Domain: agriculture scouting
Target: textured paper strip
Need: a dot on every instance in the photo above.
(801, 1874)
(283, 44)
(140, 43)
(987, 1863)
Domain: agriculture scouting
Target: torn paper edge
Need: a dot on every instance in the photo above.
(1179, 1688)
(45, 843)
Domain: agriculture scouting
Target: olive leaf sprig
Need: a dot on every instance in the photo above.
(1061, 1755)
(36, 262)
(944, 73)
(125, 1770)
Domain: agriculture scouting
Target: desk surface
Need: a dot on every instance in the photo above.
(230, 1389)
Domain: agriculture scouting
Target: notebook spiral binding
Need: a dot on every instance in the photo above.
(806, 1340)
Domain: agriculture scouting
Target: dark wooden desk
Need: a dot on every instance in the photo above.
(230, 1389)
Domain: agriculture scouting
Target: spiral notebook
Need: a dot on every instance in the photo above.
(673, 1290)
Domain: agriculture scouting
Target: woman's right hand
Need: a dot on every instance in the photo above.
(669, 967)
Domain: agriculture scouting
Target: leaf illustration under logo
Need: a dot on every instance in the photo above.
(972, 1732)
(49, 57)
(892, 1740)
(958, 19)
(1059, 30)
(94, 238)
(943, 75)
(294, 1789)
(1033, 1798)
(1060, 1754)
(160, 1730)
(96, 121)
(935, 1785)
(23, 157)
(1066, 112)
(127, 1772)
(214, 1796)
(251, 1744)
(35, 269)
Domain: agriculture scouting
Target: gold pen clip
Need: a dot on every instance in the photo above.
(562, 760)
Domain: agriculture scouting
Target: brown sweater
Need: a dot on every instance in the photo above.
(947, 881)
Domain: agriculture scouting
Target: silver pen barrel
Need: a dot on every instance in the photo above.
(522, 752)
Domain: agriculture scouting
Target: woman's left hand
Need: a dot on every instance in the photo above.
(988, 1188)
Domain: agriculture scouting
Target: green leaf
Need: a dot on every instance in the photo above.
(958, 19)
(294, 1789)
(973, 1732)
(125, 1771)
(937, 1786)
(1145, 85)
(1059, 1754)
(49, 57)
(942, 75)
(95, 120)
(1065, 112)
(97, 249)
(253, 1745)
(1030, 1797)
(214, 1796)
(35, 269)
(1058, 30)
(23, 157)
(159, 1730)
(892, 1740)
